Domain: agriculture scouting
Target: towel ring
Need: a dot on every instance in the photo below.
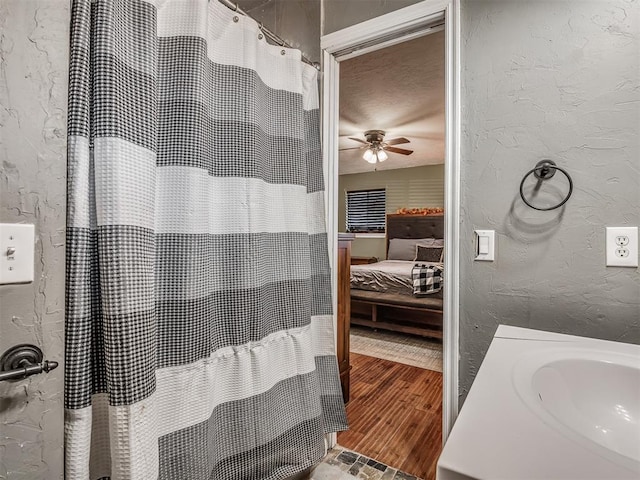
(544, 170)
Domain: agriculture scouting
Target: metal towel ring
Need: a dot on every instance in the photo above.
(544, 170)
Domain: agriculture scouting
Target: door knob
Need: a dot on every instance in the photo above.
(22, 361)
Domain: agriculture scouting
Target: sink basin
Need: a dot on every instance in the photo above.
(547, 405)
(591, 396)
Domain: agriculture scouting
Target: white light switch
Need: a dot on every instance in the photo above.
(485, 245)
(622, 246)
(16, 253)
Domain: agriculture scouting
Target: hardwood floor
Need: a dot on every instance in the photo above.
(395, 415)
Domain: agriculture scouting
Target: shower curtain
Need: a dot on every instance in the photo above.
(199, 335)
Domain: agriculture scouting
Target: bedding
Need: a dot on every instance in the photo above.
(388, 276)
(373, 301)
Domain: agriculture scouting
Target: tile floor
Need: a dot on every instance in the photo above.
(342, 464)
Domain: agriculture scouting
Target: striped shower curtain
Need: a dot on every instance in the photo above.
(199, 336)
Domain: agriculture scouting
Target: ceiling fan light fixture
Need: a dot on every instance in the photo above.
(375, 146)
(369, 156)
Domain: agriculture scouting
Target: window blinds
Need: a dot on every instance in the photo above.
(366, 210)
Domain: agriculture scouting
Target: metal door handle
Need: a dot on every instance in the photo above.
(22, 361)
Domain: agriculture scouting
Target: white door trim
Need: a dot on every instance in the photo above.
(380, 32)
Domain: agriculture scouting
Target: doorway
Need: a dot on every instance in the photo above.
(391, 180)
(391, 29)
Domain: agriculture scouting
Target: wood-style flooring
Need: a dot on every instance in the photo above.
(395, 415)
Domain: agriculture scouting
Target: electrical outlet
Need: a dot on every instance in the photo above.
(622, 240)
(622, 246)
(622, 252)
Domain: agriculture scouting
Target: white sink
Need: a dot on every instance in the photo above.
(549, 406)
(592, 396)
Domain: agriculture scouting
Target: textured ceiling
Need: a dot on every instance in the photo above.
(398, 89)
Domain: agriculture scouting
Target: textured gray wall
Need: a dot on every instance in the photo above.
(295, 21)
(339, 14)
(33, 96)
(558, 80)
(543, 79)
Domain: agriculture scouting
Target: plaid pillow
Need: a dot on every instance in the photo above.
(426, 279)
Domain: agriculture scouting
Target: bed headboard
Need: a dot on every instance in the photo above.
(414, 226)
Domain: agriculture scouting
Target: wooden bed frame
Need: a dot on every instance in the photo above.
(402, 313)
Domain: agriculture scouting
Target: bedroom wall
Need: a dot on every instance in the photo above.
(554, 80)
(405, 187)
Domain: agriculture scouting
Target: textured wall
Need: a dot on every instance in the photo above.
(405, 187)
(339, 14)
(33, 96)
(295, 21)
(543, 79)
(559, 80)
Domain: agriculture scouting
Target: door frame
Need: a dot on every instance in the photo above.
(371, 35)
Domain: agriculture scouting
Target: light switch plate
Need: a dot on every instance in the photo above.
(622, 246)
(485, 245)
(16, 253)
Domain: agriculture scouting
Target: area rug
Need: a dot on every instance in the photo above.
(397, 347)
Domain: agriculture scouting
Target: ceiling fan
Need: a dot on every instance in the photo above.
(377, 147)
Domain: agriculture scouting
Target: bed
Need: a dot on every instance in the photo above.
(382, 294)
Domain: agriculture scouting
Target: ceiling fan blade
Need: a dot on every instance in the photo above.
(402, 151)
(351, 148)
(358, 140)
(397, 141)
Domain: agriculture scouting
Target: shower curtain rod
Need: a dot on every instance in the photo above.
(266, 31)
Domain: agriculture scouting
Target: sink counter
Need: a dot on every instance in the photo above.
(549, 406)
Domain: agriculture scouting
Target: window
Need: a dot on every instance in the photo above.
(366, 210)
